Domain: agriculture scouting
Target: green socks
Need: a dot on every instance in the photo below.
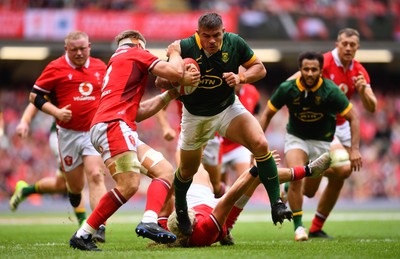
(181, 188)
(268, 173)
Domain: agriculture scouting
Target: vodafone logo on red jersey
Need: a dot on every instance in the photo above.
(85, 88)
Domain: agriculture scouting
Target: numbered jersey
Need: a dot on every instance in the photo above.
(124, 85)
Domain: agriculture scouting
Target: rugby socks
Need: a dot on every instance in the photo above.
(156, 194)
(299, 172)
(181, 187)
(31, 189)
(268, 173)
(107, 206)
(80, 214)
(163, 222)
(297, 218)
(318, 222)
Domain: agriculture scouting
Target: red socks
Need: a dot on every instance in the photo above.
(108, 204)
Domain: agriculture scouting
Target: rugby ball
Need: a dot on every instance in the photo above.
(193, 66)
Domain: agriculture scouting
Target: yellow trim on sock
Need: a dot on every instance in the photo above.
(263, 157)
(80, 210)
(37, 188)
(178, 175)
(298, 213)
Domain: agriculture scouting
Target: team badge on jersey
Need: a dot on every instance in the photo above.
(225, 57)
(317, 100)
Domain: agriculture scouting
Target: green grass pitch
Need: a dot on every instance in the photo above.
(359, 234)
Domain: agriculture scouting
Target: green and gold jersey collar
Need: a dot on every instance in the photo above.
(303, 88)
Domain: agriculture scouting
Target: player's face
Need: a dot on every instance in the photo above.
(78, 51)
(310, 72)
(211, 39)
(347, 48)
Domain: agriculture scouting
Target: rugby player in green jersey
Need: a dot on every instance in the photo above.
(214, 107)
(313, 103)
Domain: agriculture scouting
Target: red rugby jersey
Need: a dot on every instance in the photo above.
(124, 85)
(78, 86)
(333, 70)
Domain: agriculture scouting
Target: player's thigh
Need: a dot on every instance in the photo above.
(246, 130)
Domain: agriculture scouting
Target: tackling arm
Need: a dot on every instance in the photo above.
(153, 105)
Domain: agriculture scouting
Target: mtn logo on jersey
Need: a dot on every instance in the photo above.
(86, 90)
(309, 116)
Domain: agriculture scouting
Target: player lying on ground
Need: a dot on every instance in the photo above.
(212, 218)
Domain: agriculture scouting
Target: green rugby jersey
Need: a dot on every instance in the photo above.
(213, 95)
(312, 114)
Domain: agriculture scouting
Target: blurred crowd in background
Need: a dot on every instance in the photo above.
(297, 19)
(32, 159)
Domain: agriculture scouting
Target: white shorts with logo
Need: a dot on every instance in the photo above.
(343, 135)
(113, 138)
(197, 130)
(72, 146)
(236, 156)
(313, 148)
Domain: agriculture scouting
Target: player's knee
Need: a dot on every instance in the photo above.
(309, 193)
(155, 165)
(61, 186)
(96, 176)
(259, 145)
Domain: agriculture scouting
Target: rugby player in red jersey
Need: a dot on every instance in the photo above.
(73, 82)
(113, 134)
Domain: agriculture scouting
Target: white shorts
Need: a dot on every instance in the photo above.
(197, 130)
(211, 154)
(72, 146)
(313, 148)
(200, 194)
(113, 138)
(236, 156)
(342, 135)
(53, 142)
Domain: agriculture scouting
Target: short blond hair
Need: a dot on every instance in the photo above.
(75, 35)
(172, 225)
